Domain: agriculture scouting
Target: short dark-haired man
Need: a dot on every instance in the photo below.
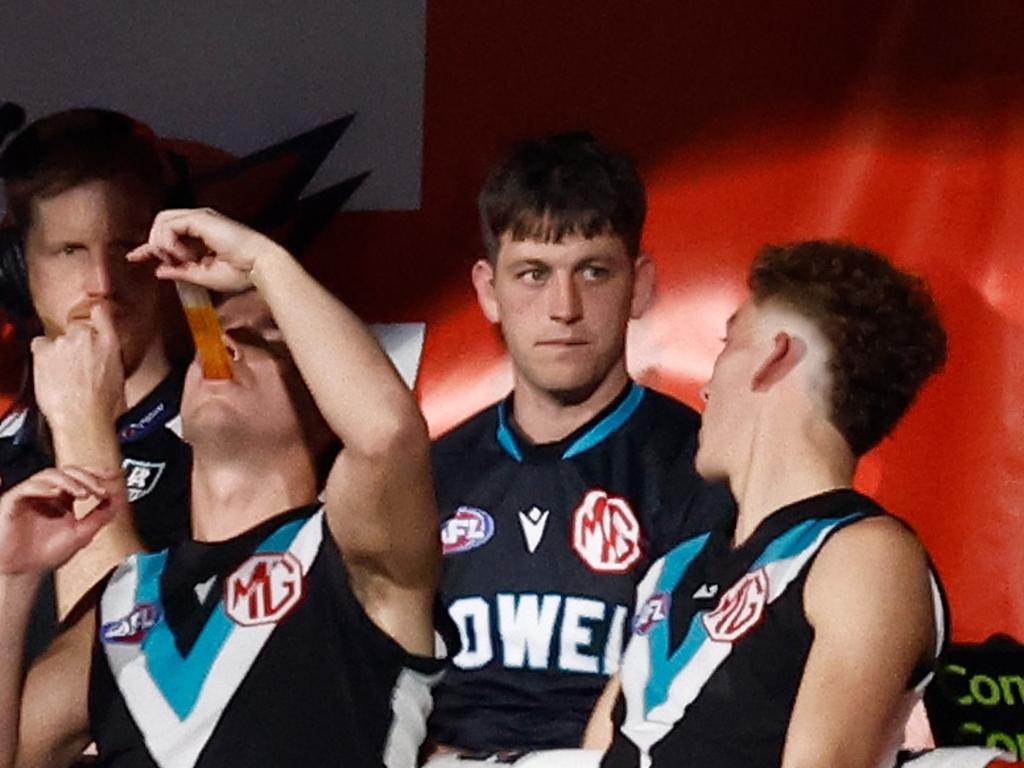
(555, 499)
(82, 188)
(286, 632)
(803, 634)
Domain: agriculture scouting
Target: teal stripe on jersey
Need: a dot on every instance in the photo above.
(798, 538)
(593, 436)
(505, 437)
(664, 667)
(180, 679)
(609, 424)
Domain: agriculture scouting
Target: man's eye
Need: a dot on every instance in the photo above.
(69, 250)
(532, 275)
(595, 273)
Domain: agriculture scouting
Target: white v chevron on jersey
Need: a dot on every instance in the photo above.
(660, 683)
(533, 524)
(176, 701)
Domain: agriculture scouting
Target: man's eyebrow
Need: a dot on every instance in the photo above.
(600, 257)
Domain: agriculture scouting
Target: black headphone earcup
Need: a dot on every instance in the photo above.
(181, 194)
(14, 294)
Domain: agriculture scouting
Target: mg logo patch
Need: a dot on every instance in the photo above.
(740, 609)
(133, 627)
(141, 477)
(651, 612)
(605, 533)
(264, 589)
(467, 529)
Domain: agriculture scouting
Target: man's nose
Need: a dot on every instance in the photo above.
(564, 301)
(100, 275)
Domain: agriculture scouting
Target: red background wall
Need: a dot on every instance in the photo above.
(899, 124)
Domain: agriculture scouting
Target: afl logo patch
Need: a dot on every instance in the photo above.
(740, 609)
(264, 589)
(133, 627)
(467, 529)
(605, 533)
(651, 612)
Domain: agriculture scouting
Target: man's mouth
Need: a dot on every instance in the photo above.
(562, 343)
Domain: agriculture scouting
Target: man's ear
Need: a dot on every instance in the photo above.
(643, 286)
(787, 351)
(483, 283)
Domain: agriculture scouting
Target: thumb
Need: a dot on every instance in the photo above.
(87, 527)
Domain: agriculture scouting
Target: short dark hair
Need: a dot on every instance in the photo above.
(559, 185)
(882, 325)
(65, 149)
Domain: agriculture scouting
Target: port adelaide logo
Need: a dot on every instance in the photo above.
(467, 529)
(141, 477)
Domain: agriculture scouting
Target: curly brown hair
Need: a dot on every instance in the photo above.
(881, 323)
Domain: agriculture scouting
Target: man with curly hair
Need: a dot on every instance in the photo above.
(803, 635)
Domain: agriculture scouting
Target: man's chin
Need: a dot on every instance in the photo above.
(572, 387)
(707, 469)
(569, 395)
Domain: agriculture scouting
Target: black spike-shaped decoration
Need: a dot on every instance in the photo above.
(261, 187)
(299, 227)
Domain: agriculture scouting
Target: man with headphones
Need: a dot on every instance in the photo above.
(82, 189)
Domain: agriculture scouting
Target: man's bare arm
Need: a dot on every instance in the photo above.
(600, 728)
(80, 389)
(868, 598)
(379, 496)
(55, 701)
(44, 722)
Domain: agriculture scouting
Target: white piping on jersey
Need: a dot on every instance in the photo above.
(12, 423)
(939, 613)
(411, 703)
(174, 425)
(177, 742)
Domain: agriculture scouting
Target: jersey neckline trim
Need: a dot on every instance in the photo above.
(157, 408)
(588, 436)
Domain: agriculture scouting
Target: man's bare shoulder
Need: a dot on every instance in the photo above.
(874, 561)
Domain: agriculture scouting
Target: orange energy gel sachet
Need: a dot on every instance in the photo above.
(206, 331)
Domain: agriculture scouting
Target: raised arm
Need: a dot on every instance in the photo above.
(79, 384)
(46, 720)
(379, 498)
(868, 598)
